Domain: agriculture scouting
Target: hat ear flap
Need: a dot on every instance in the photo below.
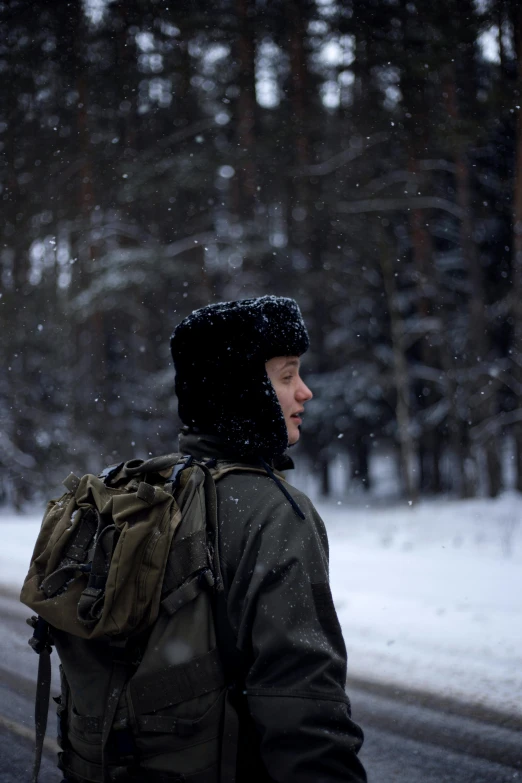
(256, 425)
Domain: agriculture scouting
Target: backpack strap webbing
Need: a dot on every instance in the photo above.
(230, 741)
(187, 557)
(119, 676)
(186, 593)
(41, 644)
(90, 604)
(211, 506)
(75, 554)
(161, 724)
(78, 767)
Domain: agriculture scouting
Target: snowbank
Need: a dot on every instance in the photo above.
(429, 597)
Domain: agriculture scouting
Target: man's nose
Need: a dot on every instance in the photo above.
(303, 393)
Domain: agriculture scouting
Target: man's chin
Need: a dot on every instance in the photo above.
(293, 438)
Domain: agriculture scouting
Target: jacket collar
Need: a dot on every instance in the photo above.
(205, 446)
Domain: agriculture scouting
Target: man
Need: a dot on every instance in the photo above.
(241, 399)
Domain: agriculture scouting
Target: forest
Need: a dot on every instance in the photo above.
(361, 156)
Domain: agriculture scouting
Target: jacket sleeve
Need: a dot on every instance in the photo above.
(281, 611)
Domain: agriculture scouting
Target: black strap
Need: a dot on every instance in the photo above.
(164, 724)
(187, 592)
(62, 709)
(230, 741)
(41, 644)
(70, 763)
(53, 583)
(76, 551)
(90, 604)
(230, 738)
(76, 766)
(41, 707)
(186, 556)
(78, 548)
(283, 489)
(119, 675)
(156, 724)
(212, 523)
(140, 775)
(182, 727)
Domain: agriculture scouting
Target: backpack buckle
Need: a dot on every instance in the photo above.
(40, 641)
(176, 473)
(207, 577)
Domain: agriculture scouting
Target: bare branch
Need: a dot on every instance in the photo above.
(437, 165)
(358, 147)
(180, 135)
(403, 175)
(391, 178)
(124, 267)
(399, 204)
(175, 138)
(20, 458)
(481, 432)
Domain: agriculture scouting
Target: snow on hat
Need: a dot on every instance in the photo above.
(219, 354)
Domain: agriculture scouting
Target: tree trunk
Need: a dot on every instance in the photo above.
(402, 381)
(247, 107)
(422, 252)
(15, 346)
(479, 352)
(359, 457)
(298, 183)
(324, 472)
(516, 18)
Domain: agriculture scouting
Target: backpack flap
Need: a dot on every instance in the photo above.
(99, 560)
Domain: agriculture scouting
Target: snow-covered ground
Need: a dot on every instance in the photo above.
(429, 597)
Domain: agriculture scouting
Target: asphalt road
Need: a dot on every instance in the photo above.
(410, 737)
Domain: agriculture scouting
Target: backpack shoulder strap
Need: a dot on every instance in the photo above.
(212, 523)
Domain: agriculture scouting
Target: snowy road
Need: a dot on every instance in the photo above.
(407, 739)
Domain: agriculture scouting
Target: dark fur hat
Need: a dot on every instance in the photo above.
(219, 354)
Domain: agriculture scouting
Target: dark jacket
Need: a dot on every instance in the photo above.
(289, 658)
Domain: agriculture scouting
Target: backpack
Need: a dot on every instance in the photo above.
(126, 582)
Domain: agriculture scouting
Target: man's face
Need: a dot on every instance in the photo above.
(291, 391)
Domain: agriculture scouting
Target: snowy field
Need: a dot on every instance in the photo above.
(429, 597)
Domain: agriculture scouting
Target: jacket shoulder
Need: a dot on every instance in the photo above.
(255, 491)
(251, 508)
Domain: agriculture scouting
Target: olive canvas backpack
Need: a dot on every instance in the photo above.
(126, 583)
